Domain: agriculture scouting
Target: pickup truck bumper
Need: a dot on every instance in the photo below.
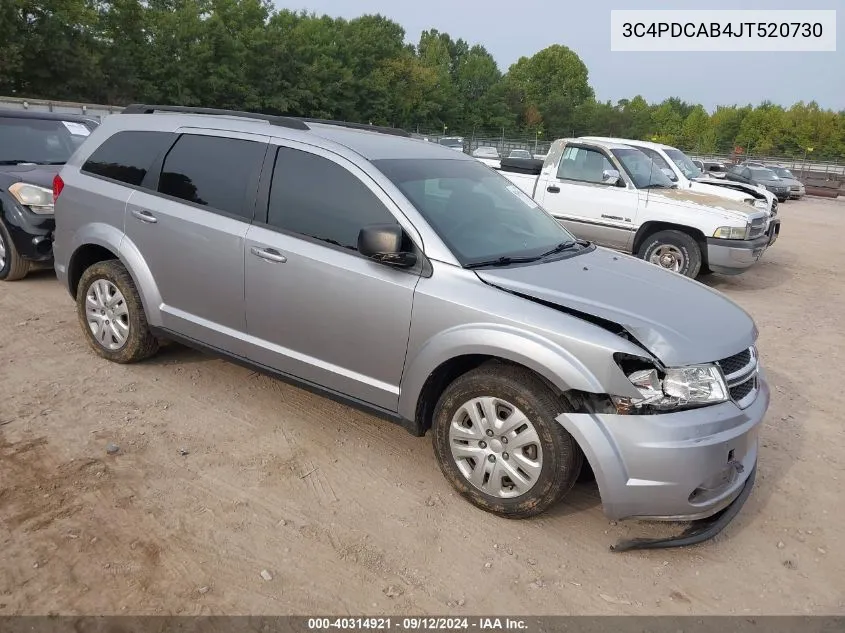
(682, 466)
(732, 257)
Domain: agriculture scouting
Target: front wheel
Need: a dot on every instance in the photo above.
(497, 441)
(13, 267)
(672, 250)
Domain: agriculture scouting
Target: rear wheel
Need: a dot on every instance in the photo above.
(111, 314)
(498, 443)
(672, 250)
(12, 266)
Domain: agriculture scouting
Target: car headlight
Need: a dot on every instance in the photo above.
(732, 232)
(761, 205)
(38, 199)
(678, 387)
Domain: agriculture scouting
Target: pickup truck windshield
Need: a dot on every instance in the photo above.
(684, 163)
(479, 214)
(644, 172)
(41, 141)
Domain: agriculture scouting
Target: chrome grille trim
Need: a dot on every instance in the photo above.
(737, 381)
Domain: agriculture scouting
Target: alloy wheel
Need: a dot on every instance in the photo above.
(668, 256)
(107, 314)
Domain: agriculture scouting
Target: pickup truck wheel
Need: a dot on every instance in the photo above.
(111, 314)
(12, 266)
(498, 444)
(672, 250)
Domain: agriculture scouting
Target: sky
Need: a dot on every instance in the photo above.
(511, 29)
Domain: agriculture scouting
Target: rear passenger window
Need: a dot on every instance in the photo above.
(212, 171)
(127, 156)
(314, 196)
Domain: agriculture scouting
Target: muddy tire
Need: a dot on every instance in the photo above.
(13, 267)
(672, 250)
(498, 444)
(111, 314)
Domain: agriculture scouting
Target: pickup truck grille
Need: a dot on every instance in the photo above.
(740, 372)
(758, 228)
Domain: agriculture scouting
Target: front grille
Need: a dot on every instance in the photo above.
(740, 372)
(758, 228)
(736, 362)
(743, 389)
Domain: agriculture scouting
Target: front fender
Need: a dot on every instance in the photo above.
(539, 354)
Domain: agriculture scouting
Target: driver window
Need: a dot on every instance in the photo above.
(583, 164)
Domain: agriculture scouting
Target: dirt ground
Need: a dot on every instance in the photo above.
(223, 474)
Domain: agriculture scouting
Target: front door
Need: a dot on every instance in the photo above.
(316, 309)
(589, 208)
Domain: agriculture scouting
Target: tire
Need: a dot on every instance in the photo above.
(677, 249)
(13, 267)
(555, 456)
(126, 316)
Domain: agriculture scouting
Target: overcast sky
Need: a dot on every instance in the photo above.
(510, 29)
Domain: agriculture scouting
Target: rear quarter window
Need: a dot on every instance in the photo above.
(127, 156)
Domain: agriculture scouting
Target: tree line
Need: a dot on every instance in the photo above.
(246, 55)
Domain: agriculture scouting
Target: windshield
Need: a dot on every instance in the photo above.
(644, 172)
(783, 172)
(41, 141)
(684, 163)
(479, 214)
(763, 174)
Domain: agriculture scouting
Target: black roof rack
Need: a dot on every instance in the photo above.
(283, 121)
(296, 123)
(361, 126)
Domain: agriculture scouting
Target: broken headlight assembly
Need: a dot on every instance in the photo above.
(665, 389)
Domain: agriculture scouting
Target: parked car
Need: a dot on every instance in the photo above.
(761, 177)
(487, 155)
(523, 350)
(796, 187)
(519, 153)
(713, 168)
(33, 146)
(615, 195)
(680, 169)
(453, 142)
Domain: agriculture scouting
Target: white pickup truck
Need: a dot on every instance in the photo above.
(681, 170)
(614, 195)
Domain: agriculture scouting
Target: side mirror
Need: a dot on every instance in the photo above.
(383, 243)
(612, 177)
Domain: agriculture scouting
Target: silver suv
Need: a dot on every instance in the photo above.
(415, 282)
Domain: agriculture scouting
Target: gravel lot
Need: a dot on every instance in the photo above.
(235, 493)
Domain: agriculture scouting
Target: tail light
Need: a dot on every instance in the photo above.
(58, 185)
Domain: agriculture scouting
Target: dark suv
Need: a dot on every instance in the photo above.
(761, 177)
(33, 147)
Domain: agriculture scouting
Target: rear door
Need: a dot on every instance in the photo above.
(190, 224)
(316, 308)
(575, 194)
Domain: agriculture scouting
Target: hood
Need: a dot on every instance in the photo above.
(41, 175)
(697, 199)
(680, 321)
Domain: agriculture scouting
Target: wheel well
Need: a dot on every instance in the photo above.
(85, 257)
(447, 373)
(650, 228)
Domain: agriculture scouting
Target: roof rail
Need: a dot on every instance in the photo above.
(360, 126)
(283, 121)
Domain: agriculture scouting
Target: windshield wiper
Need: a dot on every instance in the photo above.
(503, 261)
(563, 246)
(30, 162)
(656, 185)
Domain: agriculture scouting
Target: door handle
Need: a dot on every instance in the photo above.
(270, 254)
(144, 216)
(553, 189)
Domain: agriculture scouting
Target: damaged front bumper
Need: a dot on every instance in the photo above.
(683, 466)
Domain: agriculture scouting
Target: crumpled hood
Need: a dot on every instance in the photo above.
(679, 320)
(41, 175)
(696, 199)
